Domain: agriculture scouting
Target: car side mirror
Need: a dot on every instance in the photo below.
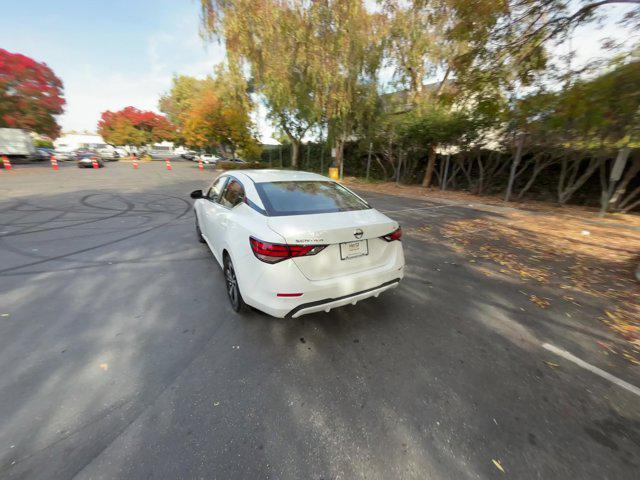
(196, 194)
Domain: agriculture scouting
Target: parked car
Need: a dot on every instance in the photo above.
(43, 154)
(161, 152)
(292, 243)
(189, 155)
(108, 154)
(122, 152)
(85, 152)
(208, 159)
(86, 157)
(64, 156)
(232, 160)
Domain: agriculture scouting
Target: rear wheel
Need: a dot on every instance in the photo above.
(231, 281)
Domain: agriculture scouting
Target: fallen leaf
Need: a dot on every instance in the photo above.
(606, 346)
(104, 366)
(215, 404)
(498, 465)
(631, 358)
(541, 302)
(551, 364)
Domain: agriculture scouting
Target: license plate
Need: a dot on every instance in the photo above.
(354, 249)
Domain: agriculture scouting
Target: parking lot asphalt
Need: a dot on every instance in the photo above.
(121, 358)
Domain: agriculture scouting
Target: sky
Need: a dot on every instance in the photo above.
(114, 53)
(111, 53)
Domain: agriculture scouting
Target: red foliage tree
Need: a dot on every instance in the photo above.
(30, 94)
(131, 126)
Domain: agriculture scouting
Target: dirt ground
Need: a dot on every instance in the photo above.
(564, 247)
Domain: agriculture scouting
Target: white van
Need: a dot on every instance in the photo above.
(17, 144)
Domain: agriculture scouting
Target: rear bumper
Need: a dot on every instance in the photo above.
(331, 303)
(260, 284)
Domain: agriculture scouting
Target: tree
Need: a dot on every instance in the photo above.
(211, 123)
(219, 115)
(419, 44)
(314, 62)
(276, 40)
(584, 125)
(131, 126)
(348, 55)
(30, 95)
(508, 40)
(430, 126)
(177, 102)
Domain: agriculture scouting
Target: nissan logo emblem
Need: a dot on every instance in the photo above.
(358, 233)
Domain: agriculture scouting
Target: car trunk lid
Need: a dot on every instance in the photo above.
(334, 229)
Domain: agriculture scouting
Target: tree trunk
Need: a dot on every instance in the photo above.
(461, 161)
(431, 163)
(624, 183)
(384, 169)
(514, 167)
(537, 168)
(605, 187)
(445, 174)
(566, 189)
(339, 146)
(480, 186)
(295, 151)
(624, 206)
(369, 160)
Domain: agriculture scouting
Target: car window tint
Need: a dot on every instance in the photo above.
(216, 188)
(233, 194)
(307, 197)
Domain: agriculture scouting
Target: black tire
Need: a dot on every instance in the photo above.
(199, 232)
(231, 282)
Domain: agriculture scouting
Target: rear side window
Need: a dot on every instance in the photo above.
(307, 197)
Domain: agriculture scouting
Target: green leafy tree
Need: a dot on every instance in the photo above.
(349, 55)
(314, 62)
(588, 121)
(276, 40)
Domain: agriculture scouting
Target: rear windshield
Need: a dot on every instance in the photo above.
(303, 198)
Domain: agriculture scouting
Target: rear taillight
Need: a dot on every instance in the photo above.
(395, 235)
(276, 252)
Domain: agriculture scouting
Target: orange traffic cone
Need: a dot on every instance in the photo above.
(94, 162)
(54, 162)
(168, 163)
(200, 165)
(6, 163)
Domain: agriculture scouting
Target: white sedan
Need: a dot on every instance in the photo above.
(207, 159)
(292, 243)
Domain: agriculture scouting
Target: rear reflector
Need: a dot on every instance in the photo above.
(395, 235)
(276, 252)
(289, 294)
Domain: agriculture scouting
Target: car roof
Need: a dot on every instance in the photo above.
(272, 175)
